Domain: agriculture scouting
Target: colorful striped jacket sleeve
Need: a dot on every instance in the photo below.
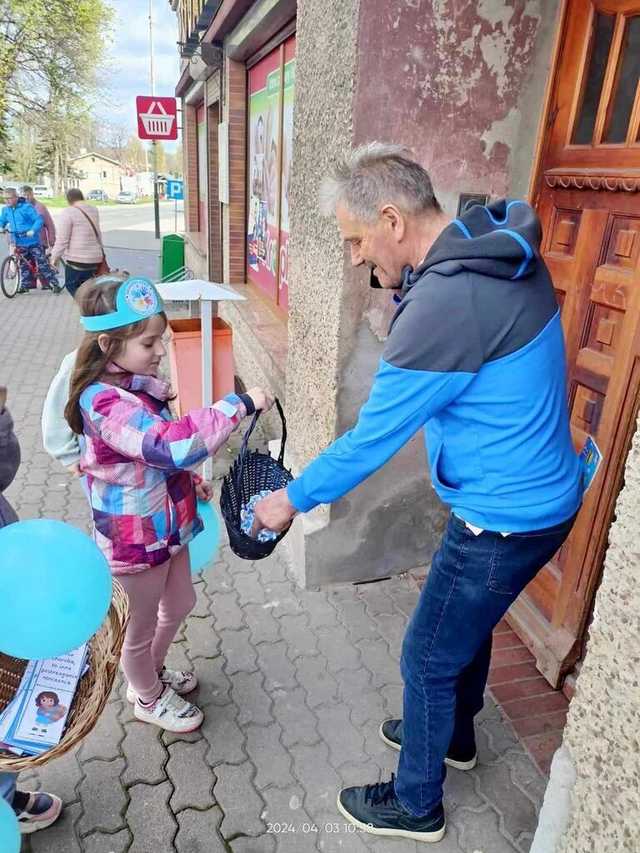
(123, 423)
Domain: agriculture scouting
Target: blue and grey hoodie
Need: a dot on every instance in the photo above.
(475, 355)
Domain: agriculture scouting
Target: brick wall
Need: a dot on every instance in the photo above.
(236, 112)
(190, 156)
(215, 222)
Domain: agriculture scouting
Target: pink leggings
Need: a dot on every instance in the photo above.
(160, 598)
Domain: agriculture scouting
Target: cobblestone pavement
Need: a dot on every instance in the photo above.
(294, 684)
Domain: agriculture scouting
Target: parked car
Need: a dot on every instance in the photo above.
(126, 197)
(97, 195)
(42, 191)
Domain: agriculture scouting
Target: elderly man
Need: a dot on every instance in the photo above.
(48, 230)
(475, 355)
(24, 224)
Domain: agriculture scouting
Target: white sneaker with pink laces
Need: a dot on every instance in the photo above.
(181, 680)
(170, 712)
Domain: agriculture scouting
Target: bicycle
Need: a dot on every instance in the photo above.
(10, 276)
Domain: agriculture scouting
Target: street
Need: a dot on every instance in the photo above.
(128, 234)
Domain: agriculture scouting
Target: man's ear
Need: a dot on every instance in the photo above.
(394, 220)
(103, 342)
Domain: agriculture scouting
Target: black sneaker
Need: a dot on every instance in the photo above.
(376, 809)
(391, 733)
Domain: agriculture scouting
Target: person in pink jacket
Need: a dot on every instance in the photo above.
(138, 465)
(78, 241)
(48, 230)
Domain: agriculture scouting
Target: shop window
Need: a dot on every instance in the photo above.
(271, 86)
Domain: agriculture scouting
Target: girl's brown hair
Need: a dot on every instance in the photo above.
(97, 296)
(47, 694)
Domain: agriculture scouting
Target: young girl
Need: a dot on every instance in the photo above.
(143, 497)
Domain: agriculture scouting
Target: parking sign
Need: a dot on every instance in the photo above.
(175, 190)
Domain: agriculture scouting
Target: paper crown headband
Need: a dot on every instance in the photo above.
(136, 300)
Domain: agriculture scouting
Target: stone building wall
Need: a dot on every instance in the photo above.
(602, 733)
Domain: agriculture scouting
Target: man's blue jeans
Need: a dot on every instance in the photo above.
(73, 277)
(447, 646)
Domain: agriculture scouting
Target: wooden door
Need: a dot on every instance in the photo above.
(587, 192)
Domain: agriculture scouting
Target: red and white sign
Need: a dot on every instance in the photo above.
(157, 117)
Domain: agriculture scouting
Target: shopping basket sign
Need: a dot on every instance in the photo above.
(157, 118)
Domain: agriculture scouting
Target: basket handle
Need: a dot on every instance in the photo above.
(247, 435)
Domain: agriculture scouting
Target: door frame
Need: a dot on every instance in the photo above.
(558, 646)
(546, 116)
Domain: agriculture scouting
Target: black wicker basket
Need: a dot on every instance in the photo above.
(251, 473)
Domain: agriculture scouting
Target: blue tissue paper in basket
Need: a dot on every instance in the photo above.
(247, 514)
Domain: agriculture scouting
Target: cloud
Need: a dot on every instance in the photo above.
(128, 68)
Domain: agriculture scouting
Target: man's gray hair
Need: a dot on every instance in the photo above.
(10, 191)
(26, 189)
(376, 174)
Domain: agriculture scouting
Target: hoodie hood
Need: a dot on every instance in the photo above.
(501, 240)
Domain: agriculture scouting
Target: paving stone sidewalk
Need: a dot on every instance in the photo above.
(294, 684)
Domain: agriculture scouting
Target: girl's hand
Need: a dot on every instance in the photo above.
(204, 491)
(262, 400)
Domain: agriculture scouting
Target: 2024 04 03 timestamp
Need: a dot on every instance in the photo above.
(279, 827)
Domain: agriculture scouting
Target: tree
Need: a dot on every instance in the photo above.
(161, 164)
(26, 159)
(114, 141)
(174, 161)
(135, 155)
(50, 52)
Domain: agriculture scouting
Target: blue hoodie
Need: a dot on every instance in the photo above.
(475, 355)
(21, 218)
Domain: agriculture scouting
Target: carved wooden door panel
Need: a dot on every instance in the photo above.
(588, 197)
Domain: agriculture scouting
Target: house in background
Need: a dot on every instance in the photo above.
(536, 98)
(95, 171)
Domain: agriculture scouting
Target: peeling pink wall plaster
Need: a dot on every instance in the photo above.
(446, 78)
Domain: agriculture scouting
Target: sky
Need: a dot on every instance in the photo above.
(128, 72)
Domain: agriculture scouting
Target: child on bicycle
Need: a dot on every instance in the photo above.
(24, 224)
(137, 461)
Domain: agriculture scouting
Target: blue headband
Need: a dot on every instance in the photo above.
(136, 300)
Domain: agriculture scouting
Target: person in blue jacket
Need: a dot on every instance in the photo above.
(24, 223)
(475, 357)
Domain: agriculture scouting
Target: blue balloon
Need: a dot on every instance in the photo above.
(204, 548)
(9, 832)
(56, 587)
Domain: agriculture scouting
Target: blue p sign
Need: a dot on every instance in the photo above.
(175, 190)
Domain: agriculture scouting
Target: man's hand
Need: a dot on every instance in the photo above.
(204, 491)
(262, 400)
(275, 512)
(30, 232)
